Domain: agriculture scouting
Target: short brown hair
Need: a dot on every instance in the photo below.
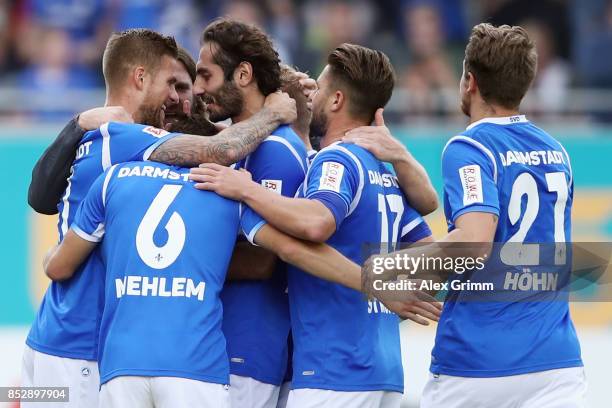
(503, 61)
(131, 48)
(366, 74)
(188, 62)
(239, 42)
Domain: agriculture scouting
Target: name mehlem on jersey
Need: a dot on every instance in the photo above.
(133, 285)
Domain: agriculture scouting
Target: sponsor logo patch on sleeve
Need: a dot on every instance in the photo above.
(331, 176)
(153, 131)
(472, 184)
(275, 186)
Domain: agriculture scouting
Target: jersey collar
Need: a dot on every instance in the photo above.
(508, 120)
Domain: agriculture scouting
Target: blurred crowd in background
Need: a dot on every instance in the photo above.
(50, 50)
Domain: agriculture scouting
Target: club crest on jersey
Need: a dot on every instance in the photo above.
(471, 183)
(331, 176)
(153, 131)
(275, 186)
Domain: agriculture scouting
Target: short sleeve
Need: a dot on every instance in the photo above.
(89, 220)
(126, 142)
(469, 180)
(334, 179)
(279, 167)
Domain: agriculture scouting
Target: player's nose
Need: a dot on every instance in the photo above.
(173, 97)
(198, 86)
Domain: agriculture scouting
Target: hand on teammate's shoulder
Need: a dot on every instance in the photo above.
(283, 105)
(378, 140)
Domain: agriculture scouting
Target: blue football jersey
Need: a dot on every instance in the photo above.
(510, 168)
(68, 319)
(167, 247)
(341, 340)
(256, 313)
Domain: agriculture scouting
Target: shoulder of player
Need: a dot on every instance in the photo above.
(546, 137)
(98, 133)
(114, 128)
(349, 155)
(283, 130)
(476, 148)
(287, 143)
(477, 139)
(91, 135)
(284, 134)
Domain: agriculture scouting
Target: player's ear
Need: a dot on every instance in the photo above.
(138, 77)
(243, 74)
(470, 83)
(338, 101)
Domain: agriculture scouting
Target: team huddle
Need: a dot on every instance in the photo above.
(204, 265)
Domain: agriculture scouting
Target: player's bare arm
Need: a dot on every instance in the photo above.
(299, 217)
(96, 117)
(63, 260)
(412, 177)
(250, 262)
(231, 144)
(325, 262)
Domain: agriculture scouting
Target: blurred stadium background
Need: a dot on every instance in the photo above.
(50, 52)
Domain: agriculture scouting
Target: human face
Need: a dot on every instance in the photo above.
(184, 90)
(160, 92)
(223, 98)
(319, 99)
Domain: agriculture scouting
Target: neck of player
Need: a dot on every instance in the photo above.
(126, 102)
(337, 127)
(252, 104)
(481, 110)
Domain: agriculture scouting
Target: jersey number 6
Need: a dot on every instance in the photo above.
(160, 257)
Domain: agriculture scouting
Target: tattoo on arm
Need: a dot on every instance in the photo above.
(228, 146)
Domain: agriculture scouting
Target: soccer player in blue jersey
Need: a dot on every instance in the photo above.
(139, 68)
(166, 247)
(237, 68)
(346, 349)
(506, 181)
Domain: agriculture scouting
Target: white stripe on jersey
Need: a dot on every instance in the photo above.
(106, 156)
(410, 226)
(479, 146)
(66, 207)
(105, 185)
(274, 138)
(96, 236)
